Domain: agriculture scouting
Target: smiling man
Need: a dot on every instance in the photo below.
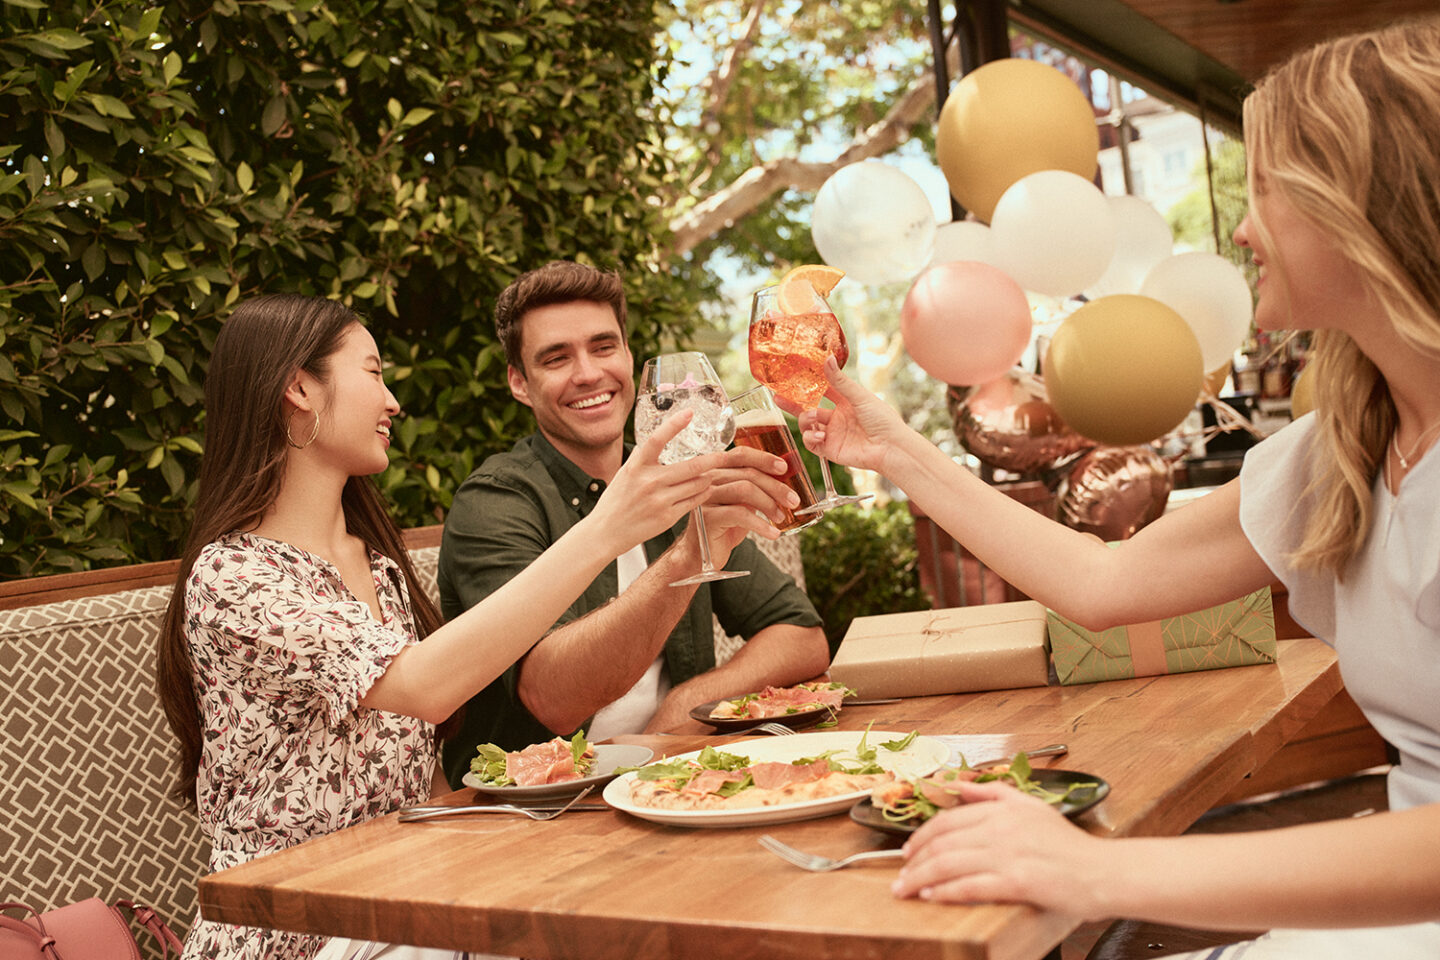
(633, 654)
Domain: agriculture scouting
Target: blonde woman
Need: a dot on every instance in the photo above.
(1343, 506)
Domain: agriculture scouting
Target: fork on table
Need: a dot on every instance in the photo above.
(815, 863)
(431, 813)
(777, 729)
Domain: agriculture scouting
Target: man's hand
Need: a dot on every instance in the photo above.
(744, 491)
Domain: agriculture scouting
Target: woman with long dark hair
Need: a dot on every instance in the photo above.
(300, 665)
(1343, 506)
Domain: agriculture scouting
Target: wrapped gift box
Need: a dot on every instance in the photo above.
(1234, 634)
(993, 646)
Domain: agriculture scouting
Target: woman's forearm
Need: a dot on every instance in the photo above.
(430, 680)
(1378, 870)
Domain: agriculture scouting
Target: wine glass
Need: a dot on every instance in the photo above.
(685, 381)
(788, 349)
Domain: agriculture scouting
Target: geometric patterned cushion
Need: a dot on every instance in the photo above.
(85, 760)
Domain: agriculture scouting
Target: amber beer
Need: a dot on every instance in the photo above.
(765, 429)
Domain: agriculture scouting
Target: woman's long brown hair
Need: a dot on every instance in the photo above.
(260, 349)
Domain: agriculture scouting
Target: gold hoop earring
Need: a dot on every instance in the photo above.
(314, 432)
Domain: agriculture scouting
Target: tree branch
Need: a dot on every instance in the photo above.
(758, 184)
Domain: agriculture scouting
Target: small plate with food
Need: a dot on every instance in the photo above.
(774, 779)
(555, 768)
(797, 706)
(902, 806)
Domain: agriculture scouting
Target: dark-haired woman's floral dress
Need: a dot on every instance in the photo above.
(282, 653)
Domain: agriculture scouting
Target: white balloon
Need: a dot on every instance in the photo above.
(963, 240)
(874, 222)
(1142, 239)
(1211, 294)
(1054, 232)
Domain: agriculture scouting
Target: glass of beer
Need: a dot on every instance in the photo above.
(759, 423)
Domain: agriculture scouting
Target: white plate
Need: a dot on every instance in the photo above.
(922, 756)
(608, 756)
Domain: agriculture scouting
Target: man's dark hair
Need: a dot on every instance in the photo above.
(560, 281)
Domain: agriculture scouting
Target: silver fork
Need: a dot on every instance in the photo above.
(414, 816)
(778, 729)
(818, 864)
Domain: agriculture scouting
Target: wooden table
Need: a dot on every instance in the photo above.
(606, 886)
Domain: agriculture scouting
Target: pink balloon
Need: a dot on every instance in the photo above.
(965, 322)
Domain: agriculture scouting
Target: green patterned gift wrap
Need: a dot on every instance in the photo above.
(1235, 634)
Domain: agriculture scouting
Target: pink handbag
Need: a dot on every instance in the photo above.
(85, 930)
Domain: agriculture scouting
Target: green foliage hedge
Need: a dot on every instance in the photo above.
(158, 163)
(860, 562)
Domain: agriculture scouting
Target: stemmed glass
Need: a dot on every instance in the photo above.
(685, 381)
(789, 344)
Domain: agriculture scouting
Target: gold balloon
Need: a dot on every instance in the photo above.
(1114, 491)
(1123, 369)
(1006, 120)
(1302, 393)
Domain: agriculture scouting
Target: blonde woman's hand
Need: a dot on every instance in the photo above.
(859, 431)
(1003, 846)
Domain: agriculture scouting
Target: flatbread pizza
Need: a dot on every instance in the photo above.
(717, 780)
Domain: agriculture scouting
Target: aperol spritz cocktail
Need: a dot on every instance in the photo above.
(793, 331)
(788, 353)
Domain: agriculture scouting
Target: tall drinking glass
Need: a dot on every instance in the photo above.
(788, 350)
(685, 381)
(760, 423)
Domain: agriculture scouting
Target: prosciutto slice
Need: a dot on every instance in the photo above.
(539, 763)
(779, 701)
(773, 776)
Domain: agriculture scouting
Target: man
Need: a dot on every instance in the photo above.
(633, 654)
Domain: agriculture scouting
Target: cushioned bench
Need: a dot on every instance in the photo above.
(85, 749)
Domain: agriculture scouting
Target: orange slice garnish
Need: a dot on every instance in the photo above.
(795, 294)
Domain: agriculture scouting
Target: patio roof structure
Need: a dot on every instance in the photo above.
(1201, 53)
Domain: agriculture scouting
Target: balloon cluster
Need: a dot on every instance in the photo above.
(1018, 144)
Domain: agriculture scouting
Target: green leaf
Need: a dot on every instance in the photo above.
(60, 39)
(244, 177)
(93, 260)
(173, 473)
(172, 66)
(274, 116)
(108, 106)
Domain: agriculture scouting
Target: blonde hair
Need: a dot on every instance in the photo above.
(1349, 132)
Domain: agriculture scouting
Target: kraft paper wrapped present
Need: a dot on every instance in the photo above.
(993, 646)
(1234, 634)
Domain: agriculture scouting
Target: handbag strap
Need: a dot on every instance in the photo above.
(158, 928)
(37, 932)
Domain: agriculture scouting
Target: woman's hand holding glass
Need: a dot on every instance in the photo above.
(861, 429)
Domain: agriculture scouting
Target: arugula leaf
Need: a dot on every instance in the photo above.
(489, 765)
(898, 745)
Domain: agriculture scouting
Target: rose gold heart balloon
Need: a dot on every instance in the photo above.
(1010, 424)
(1114, 491)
